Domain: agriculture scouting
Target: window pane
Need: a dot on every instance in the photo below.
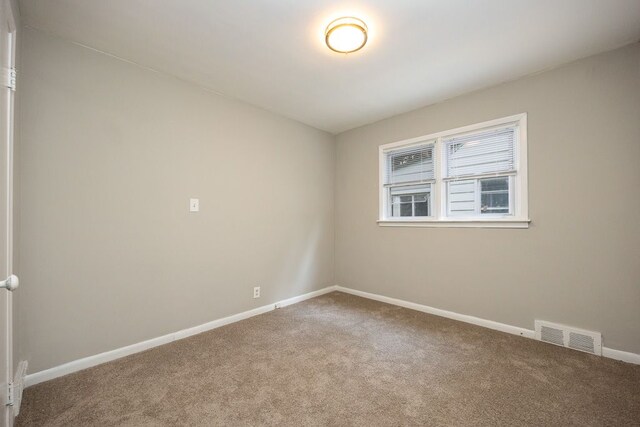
(494, 195)
(495, 184)
(495, 203)
(406, 209)
(395, 205)
(409, 201)
(481, 152)
(410, 164)
(422, 208)
(421, 198)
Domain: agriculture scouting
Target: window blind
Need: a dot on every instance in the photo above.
(491, 151)
(410, 189)
(413, 164)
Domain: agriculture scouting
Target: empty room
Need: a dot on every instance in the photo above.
(320, 213)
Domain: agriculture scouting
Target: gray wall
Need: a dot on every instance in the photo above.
(110, 154)
(578, 263)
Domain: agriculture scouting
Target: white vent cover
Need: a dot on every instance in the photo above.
(566, 336)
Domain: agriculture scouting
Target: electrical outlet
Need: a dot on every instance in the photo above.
(256, 292)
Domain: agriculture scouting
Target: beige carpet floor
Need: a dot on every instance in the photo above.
(342, 360)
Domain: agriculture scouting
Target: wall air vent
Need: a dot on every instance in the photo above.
(566, 336)
(551, 335)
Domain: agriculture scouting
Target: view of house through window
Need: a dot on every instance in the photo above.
(410, 203)
(494, 193)
(408, 177)
(475, 173)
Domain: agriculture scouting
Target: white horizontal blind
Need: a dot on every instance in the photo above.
(490, 151)
(406, 165)
(410, 189)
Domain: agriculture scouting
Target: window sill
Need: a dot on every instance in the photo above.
(457, 223)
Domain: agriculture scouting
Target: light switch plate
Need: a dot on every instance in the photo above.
(194, 205)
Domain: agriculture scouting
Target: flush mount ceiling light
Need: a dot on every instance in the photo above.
(346, 35)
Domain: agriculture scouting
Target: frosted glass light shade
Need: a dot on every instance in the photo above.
(346, 35)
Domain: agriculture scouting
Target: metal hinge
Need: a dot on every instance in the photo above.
(9, 76)
(10, 393)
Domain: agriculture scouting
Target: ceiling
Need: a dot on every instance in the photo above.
(271, 53)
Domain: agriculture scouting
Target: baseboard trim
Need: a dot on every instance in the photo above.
(523, 332)
(624, 356)
(442, 313)
(107, 356)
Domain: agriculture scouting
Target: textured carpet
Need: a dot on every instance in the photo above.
(343, 360)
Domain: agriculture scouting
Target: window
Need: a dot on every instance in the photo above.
(408, 177)
(471, 176)
(410, 201)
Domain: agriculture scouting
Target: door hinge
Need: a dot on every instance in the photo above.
(9, 76)
(10, 393)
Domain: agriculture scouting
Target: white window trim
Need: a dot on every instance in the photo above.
(439, 218)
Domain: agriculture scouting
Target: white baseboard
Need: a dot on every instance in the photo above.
(442, 313)
(625, 356)
(527, 333)
(107, 356)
